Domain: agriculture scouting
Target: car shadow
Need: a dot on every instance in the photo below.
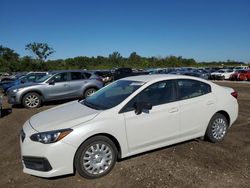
(159, 149)
(127, 158)
(49, 103)
(6, 111)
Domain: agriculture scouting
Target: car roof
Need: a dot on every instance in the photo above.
(62, 71)
(158, 77)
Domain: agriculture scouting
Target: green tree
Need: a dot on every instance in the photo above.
(8, 54)
(116, 59)
(40, 50)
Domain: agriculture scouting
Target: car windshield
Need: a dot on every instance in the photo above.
(112, 94)
(221, 71)
(44, 78)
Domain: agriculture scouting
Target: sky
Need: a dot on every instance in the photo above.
(206, 30)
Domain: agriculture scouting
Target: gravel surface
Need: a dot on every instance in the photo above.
(194, 163)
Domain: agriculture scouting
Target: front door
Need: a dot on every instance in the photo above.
(58, 87)
(158, 126)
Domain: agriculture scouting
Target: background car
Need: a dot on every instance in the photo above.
(222, 74)
(28, 78)
(241, 75)
(57, 85)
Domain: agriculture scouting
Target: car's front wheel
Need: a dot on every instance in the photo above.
(96, 157)
(32, 100)
(217, 128)
(89, 92)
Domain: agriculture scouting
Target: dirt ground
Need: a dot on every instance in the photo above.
(194, 163)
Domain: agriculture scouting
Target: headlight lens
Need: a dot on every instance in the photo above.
(16, 90)
(50, 136)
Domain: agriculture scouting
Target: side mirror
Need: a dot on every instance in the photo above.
(142, 106)
(51, 82)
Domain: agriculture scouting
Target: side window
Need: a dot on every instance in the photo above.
(87, 75)
(62, 77)
(38, 76)
(77, 76)
(192, 88)
(31, 78)
(156, 94)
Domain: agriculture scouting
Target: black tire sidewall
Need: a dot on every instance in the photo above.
(82, 149)
(26, 95)
(209, 135)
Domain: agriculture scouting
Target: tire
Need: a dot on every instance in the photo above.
(89, 92)
(96, 157)
(217, 128)
(32, 100)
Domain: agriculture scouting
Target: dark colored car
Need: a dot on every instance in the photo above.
(29, 78)
(1, 106)
(105, 75)
(126, 72)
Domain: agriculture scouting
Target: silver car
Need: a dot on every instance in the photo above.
(55, 86)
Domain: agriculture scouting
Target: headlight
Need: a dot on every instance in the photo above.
(16, 90)
(50, 136)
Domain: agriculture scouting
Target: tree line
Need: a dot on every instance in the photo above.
(10, 61)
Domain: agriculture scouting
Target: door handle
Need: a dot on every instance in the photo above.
(210, 102)
(66, 85)
(173, 110)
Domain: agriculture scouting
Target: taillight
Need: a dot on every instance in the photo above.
(235, 94)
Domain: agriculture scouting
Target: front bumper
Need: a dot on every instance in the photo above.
(217, 77)
(14, 98)
(45, 160)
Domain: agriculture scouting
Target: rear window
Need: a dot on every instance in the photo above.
(192, 88)
(87, 75)
(77, 76)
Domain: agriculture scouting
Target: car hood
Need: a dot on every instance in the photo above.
(62, 117)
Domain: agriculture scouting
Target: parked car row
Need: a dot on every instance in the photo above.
(21, 79)
(31, 89)
(233, 73)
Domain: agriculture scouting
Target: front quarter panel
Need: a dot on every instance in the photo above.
(102, 124)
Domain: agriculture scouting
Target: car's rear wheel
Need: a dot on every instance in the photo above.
(32, 100)
(96, 157)
(89, 92)
(217, 128)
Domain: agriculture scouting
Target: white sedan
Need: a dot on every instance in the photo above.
(222, 74)
(127, 117)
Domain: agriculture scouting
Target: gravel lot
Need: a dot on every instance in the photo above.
(194, 163)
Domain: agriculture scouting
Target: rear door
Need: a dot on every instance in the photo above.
(197, 106)
(76, 83)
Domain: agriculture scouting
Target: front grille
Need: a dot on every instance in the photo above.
(37, 163)
(22, 135)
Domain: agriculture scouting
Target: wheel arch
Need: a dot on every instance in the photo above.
(224, 113)
(32, 91)
(111, 137)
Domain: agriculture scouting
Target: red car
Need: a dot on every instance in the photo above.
(241, 75)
